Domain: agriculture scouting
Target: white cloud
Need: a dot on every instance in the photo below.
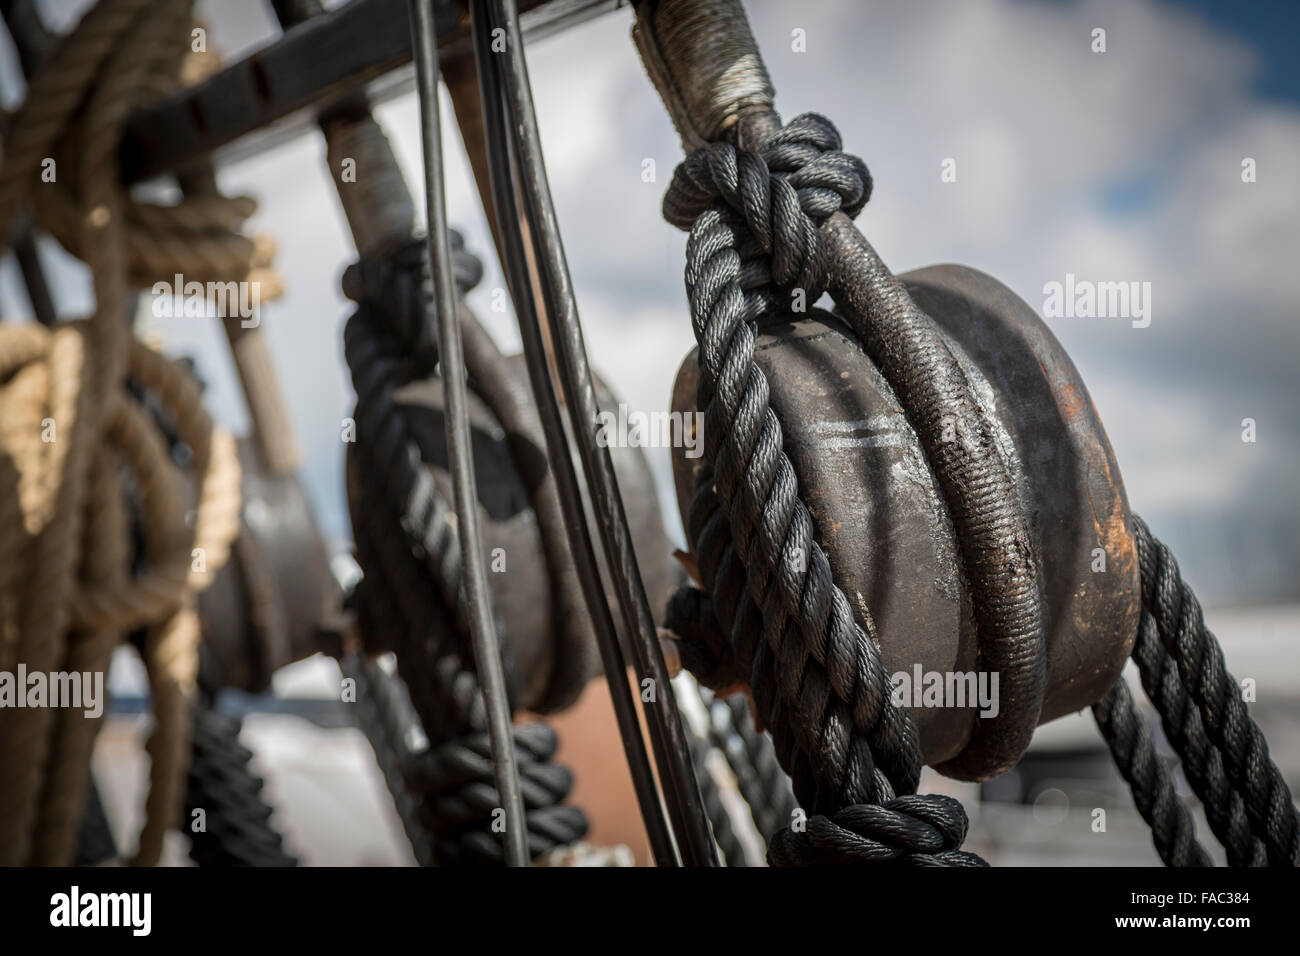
(1044, 132)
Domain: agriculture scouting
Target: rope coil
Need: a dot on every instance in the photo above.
(78, 449)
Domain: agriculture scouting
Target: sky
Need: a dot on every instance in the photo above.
(1123, 165)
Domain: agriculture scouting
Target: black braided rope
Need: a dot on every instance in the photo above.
(457, 813)
(460, 803)
(386, 717)
(1180, 625)
(757, 233)
(237, 821)
(1172, 829)
(1201, 761)
(720, 823)
(817, 677)
(404, 538)
(752, 758)
(909, 831)
(704, 647)
(399, 492)
(754, 221)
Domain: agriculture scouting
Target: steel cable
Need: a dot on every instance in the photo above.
(568, 347)
(478, 612)
(516, 265)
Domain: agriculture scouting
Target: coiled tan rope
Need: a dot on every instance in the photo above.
(76, 448)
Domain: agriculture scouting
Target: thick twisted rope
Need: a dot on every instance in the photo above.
(386, 717)
(1172, 829)
(451, 784)
(755, 236)
(62, 498)
(1201, 761)
(1204, 680)
(220, 781)
(386, 348)
(720, 824)
(404, 538)
(910, 830)
(209, 246)
(461, 803)
(817, 677)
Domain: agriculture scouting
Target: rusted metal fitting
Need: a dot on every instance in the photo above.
(265, 608)
(886, 528)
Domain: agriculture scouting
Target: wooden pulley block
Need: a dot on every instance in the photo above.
(886, 528)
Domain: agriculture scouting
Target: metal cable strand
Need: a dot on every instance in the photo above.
(1181, 627)
(1172, 829)
(221, 783)
(477, 614)
(1201, 761)
(761, 234)
(909, 831)
(569, 353)
(511, 218)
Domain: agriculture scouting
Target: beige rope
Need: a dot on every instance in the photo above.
(66, 592)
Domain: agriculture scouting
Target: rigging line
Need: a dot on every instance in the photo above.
(672, 751)
(487, 657)
(509, 217)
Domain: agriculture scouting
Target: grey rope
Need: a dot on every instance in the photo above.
(752, 758)
(720, 824)
(1201, 761)
(1172, 828)
(1205, 680)
(386, 717)
(817, 677)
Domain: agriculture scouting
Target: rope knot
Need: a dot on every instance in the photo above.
(911, 830)
(776, 197)
(705, 648)
(395, 291)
